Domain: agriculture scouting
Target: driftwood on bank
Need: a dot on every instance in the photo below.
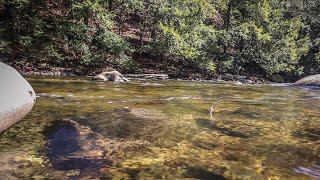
(147, 76)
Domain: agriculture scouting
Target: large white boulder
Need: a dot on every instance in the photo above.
(16, 97)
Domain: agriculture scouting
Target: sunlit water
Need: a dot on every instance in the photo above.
(80, 129)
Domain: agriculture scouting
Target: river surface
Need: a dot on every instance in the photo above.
(81, 129)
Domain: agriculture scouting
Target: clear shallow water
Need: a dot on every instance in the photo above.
(81, 129)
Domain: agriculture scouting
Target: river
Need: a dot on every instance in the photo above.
(80, 129)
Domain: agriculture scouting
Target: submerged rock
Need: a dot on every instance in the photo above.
(128, 123)
(313, 80)
(202, 173)
(79, 152)
(16, 97)
(114, 76)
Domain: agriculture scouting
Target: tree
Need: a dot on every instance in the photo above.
(247, 37)
(309, 12)
(261, 39)
(73, 31)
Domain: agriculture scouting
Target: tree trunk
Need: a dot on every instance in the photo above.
(110, 4)
(228, 13)
(227, 20)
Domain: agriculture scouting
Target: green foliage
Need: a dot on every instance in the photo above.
(60, 31)
(253, 36)
(185, 31)
(127, 63)
(260, 38)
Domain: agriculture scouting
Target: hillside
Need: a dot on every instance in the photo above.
(265, 37)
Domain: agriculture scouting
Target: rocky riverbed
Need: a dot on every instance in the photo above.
(163, 129)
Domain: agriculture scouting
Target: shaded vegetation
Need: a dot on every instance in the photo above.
(263, 37)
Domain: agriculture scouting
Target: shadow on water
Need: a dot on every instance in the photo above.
(312, 134)
(206, 123)
(79, 164)
(65, 152)
(205, 144)
(309, 87)
(202, 174)
(255, 114)
(62, 139)
(124, 123)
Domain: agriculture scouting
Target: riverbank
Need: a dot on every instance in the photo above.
(174, 70)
